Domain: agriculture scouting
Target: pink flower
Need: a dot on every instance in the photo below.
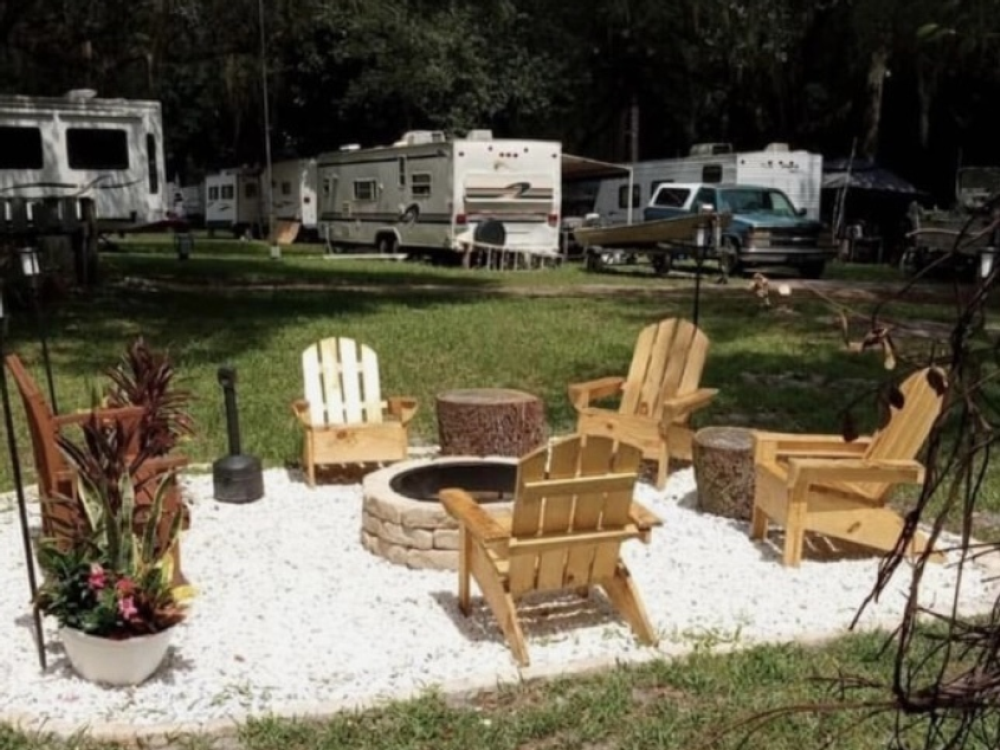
(126, 608)
(125, 586)
(97, 579)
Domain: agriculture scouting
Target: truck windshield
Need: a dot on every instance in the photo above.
(756, 201)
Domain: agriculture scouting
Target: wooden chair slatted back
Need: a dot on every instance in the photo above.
(49, 461)
(341, 381)
(570, 513)
(668, 360)
(907, 429)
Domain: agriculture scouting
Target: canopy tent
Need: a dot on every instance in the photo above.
(584, 168)
(862, 174)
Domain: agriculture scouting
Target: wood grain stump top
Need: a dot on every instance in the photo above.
(724, 471)
(490, 422)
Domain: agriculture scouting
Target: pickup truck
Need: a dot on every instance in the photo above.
(766, 229)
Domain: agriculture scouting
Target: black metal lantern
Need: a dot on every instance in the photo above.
(236, 478)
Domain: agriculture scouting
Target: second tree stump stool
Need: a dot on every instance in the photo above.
(724, 471)
(490, 422)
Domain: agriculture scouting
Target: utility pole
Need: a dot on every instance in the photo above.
(633, 130)
(269, 186)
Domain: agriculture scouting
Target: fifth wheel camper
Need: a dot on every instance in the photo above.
(429, 194)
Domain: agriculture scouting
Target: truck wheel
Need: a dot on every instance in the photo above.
(812, 270)
(729, 254)
(595, 259)
(385, 244)
(662, 263)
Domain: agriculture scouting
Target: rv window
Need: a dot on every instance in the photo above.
(623, 196)
(250, 190)
(154, 176)
(421, 185)
(92, 148)
(20, 148)
(227, 192)
(213, 193)
(364, 190)
(402, 171)
(711, 173)
(286, 188)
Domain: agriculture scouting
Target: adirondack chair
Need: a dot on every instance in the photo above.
(572, 510)
(57, 479)
(344, 416)
(657, 397)
(823, 484)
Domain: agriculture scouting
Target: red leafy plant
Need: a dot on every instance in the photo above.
(145, 377)
(113, 576)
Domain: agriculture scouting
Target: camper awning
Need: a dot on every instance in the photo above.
(582, 168)
(862, 174)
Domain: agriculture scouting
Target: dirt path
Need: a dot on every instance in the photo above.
(858, 291)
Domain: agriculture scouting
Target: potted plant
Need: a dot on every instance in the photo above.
(111, 589)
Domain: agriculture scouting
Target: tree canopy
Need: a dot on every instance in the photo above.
(910, 81)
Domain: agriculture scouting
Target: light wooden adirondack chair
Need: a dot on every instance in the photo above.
(823, 484)
(572, 510)
(344, 416)
(657, 397)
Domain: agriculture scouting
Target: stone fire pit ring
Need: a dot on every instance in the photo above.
(419, 533)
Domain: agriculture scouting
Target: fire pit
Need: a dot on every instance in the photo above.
(402, 519)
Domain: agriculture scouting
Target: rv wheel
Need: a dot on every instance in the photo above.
(385, 244)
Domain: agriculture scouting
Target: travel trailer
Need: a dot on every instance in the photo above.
(294, 186)
(66, 150)
(798, 174)
(429, 194)
(232, 202)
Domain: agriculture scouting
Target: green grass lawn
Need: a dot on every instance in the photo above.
(780, 368)
(684, 704)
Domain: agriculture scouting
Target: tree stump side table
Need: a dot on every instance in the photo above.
(489, 422)
(724, 471)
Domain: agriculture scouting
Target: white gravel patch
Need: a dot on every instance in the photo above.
(292, 611)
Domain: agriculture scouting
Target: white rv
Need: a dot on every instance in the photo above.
(294, 186)
(79, 147)
(798, 174)
(429, 193)
(233, 201)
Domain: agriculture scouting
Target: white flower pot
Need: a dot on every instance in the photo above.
(126, 662)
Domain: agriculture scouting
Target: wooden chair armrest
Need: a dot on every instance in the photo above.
(826, 470)
(103, 415)
(404, 408)
(464, 508)
(643, 517)
(787, 445)
(300, 408)
(163, 464)
(674, 407)
(581, 394)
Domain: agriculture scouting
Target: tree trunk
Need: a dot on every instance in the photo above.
(873, 115)
(925, 96)
(490, 422)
